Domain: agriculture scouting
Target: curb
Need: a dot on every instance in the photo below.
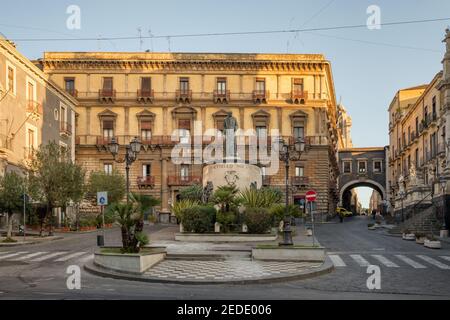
(325, 268)
(18, 244)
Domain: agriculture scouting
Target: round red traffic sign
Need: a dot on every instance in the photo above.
(311, 196)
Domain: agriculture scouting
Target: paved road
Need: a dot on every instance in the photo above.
(409, 271)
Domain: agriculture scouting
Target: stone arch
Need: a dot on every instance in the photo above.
(362, 183)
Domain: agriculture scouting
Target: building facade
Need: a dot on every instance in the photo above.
(150, 95)
(33, 111)
(344, 125)
(419, 158)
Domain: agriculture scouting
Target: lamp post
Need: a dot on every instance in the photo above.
(443, 184)
(131, 153)
(289, 153)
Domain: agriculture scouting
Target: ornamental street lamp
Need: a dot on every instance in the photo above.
(131, 153)
(443, 184)
(289, 153)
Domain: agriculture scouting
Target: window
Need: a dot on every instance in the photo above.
(409, 135)
(299, 171)
(11, 76)
(416, 157)
(108, 167)
(221, 86)
(297, 86)
(261, 131)
(184, 85)
(184, 127)
(426, 115)
(299, 132)
(146, 130)
(108, 130)
(69, 85)
(417, 125)
(362, 167)
(347, 167)
(62, 114)
(30, 91)
(261, 85)
(434, 106)
(108, 86)
(184, 172)
(146, 85)
(146, 170)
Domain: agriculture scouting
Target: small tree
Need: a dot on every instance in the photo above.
(12, 188)
(113, 183)
(226, 198)
(193, 193)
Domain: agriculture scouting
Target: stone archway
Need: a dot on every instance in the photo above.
(361, 183)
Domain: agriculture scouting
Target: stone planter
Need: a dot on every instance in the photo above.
(420, 240)
(130, 263)
(432, 244)
(225, 237)
(297, 254)
(409, 237)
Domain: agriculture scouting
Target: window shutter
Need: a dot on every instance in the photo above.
(184, 124)
(146, 125)
(108, 124)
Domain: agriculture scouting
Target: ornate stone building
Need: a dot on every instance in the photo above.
(419, 134)
(149, 95)
(344, 125)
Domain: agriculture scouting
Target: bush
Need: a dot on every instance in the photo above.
(226, 220)
(198, 219)
(258, 220)
(278, 212)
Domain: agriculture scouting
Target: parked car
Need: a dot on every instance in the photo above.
(344, 212)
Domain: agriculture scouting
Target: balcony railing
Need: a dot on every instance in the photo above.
(72, 92)
(260, 96)
(107, 95)
(183, 181)
(146, 182)
(104, 141)
(184, 96)
(145, 95)
(221, 96)
(65, 128)
(34, 107)
(298, 96)
(300, 181)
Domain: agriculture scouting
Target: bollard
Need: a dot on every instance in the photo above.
(100, 240)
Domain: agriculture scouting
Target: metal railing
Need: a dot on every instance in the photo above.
(183, 180)
(144, 182)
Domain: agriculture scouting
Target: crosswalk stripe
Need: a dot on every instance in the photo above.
(434, 262)
(13, 255)
(411, 262)
(28, 256)
(388, 263)
(337, 261)
(86, 259)
(445, 258)
(360, 260)
(49, 256)
(70, 256)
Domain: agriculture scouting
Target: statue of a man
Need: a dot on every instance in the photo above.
(230, 126)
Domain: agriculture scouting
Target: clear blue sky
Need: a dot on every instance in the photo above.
(366, 75)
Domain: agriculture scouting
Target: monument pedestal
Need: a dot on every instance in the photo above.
(241, 175)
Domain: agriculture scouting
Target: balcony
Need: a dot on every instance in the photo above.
(260, 96)
(104, 141)
(183, 181)
(145, 96)
(299, 97)
(183, 96)
(65, 128)
(72, 92)
(300, 181)
(107, 95)
(222, 96)
(34, 107)
(147, 182)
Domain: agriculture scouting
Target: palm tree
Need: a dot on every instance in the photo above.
(225, 198)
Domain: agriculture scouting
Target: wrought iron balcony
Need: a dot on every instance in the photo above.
(104, 141)
(107, 95)
(147, 182)
(183, 181)
(65, 128)
(183, 96)
(221, 96)
(260, 96)
(146, 95)
(300, 181)
(72, 92)
(299, 97)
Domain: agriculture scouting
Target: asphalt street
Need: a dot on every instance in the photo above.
(408, 271)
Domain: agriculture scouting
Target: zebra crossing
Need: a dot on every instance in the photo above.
(396, 261)
(44, 256)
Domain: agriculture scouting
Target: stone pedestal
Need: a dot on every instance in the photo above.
(164, 217)
(241, 175)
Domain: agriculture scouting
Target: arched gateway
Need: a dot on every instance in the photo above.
(362, 167)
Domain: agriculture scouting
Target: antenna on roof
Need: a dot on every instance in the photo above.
(151, 39)
(141, 42)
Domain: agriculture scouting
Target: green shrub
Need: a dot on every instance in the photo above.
(278, 212)
(179, 206)
(193, 193)
(258, 220)
(226, 220)
(263, 198)
(198, 219)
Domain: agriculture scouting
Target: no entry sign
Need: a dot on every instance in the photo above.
(311, 196)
